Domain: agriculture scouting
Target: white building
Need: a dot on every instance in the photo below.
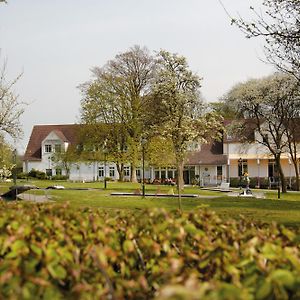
(208, 164)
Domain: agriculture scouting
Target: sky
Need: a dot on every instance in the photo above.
(56, 43)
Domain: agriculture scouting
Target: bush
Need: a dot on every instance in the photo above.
(59, 177)
(235, 182)
(56, 252)
(22, 175)
(37, 174)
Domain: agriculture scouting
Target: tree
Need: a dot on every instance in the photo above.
(10, 107)
(267, 102)
(6, 159)
(105, 142)
(160, 152)
(177, 108)
(223, 109)
(116, 97)
(65, 158)
(278, 23)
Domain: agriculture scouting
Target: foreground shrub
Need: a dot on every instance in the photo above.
(55, 252)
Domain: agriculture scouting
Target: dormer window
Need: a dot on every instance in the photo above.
(58, 148)
(48, 148)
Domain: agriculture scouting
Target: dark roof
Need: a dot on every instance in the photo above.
(239, 131)
(68, 133)
(210, 154)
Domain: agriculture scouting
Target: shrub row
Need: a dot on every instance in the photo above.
(55, 252)
(39, 175)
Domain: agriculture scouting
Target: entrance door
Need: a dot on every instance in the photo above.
(189, 175)
(186, 177)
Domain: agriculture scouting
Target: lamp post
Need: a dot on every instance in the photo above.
(144, 141)
(290, 163)
(258, 172)
(15, 166)
(49, 167)
(105, 160)
(278, 151)
(228, 170)
(240, 161)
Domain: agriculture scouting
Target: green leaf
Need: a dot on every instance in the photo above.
(264, 291)
(37, 250)
(128, 246)
(283, 277)
(57, 271)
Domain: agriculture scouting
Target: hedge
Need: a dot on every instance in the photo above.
(50, 251)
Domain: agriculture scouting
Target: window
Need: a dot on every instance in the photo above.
(242, 167)
(48, 148)
(265, 139)
(111, 171)
(156, 174)
(272, 168)
(57, 148)
(126, 171)
(138, 173)
(219, 171)
(49, 172)
(101, 172)
(58, 172)
(170, 173)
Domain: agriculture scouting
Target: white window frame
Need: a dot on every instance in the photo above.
(126, 171)
(101, 172)
(47, 148)
(112, 172)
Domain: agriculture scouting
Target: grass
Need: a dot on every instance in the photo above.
(285, 211)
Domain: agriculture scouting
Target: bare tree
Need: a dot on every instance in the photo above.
(10, 107)
(278, 23)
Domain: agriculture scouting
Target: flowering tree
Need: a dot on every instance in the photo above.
(10, 107)
(177, 108)
(273, 104)
(6, 164)
(278, 23)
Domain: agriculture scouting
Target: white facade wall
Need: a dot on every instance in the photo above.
(238, 150)
(257, 157)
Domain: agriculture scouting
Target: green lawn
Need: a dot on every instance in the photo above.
(285, 211)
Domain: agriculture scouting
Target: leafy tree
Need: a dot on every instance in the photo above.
(160, 152)
(105, 141)
(177, 108)
(291, 114)
(6, 161)
(65, 158)
(223, 109)
(116, 98)
(278, 23)
(267, 103)
(10, 107)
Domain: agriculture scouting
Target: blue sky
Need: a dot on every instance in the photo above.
(56, 43)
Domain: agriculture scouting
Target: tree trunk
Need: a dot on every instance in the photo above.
(297, 174)
(133, 173)
(180, 182)
(281, 175)
(120, 170)
(180, 166)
